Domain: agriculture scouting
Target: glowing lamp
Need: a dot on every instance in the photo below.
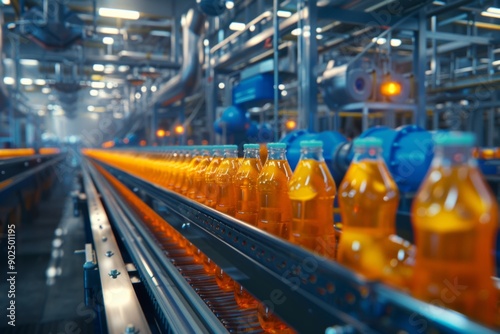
(160, 133)
(390, 88)
(142, 142)
(179, 129)
(290, 124)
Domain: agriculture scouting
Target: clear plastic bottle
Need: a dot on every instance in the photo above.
(246, 185)
(211, 188)
(189, 176)
(455, 221)
(274, 215)
(225, 180)
(312, 192)
(368, 200)
(182, 167)
(197, 190)
(275, 208)
(246, 206)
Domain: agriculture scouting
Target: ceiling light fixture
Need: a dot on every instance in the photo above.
(98, 67)
(6, 2)
(284, 13)
(493, 10)
(91, 108)
(395, 42)
(123, 68)
(26, 81)
(8, 80)
(45, 90)
(29, 62)
(108, 40)
(119, 13)
(97, 84)
(237, 26)
(296, 31)
(94, 92)
(491, 14)
(40, 82)
(108, 30)
(229, 4)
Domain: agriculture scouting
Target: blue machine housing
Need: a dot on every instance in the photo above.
(254, 91)
(407, 151)
(331, 142)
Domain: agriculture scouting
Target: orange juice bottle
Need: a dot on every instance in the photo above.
(172, 169)
(455, 221)
(189, 176)
(197, 190)
(211, 188)
(312, 191)
(181, 173)
(246, 206)
(274, 215)
(246, 185)
(225, 180)
(368, 200)
(275, 208)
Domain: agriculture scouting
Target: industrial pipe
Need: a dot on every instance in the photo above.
(185, 81)
(3, 88)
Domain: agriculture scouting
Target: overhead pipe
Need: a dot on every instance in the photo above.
(185, 81)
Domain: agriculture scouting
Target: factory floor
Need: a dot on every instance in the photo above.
(49, 280)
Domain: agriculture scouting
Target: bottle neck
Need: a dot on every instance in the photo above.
(217, 153)
(276, 154)
(230, 153)
(312, 153)
(449, 156)
(367, 153)
(252, 153)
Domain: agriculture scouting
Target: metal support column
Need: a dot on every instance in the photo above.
(308, 57)
(419, 65)
(210, 94)
(276, 68)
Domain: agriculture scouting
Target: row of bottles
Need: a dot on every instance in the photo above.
(454, 215)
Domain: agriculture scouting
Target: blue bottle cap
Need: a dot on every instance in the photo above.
(311, 143)
(455, 138)
(251, 146)
(276, 145)
(367, 142)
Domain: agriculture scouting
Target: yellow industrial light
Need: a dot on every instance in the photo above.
(290, 124)
(108, 144)
(119, 13)
(390, 88)
(179, 129)
(160, 133)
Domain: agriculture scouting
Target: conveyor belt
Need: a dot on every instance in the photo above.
(315, 294)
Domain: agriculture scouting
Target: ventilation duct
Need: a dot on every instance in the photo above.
(53, 27)
(185, 81)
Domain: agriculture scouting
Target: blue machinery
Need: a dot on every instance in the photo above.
(312, 295)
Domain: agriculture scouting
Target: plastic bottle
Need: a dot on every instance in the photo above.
(181, 168)
(225, 180)
(275, 208)
(246, 206)
(246, 185)
(173, 168)
(190, 170)
(455, 221)
(368, 200)
(211, 189)
(312, 192)
(197, 190)
(274, 215)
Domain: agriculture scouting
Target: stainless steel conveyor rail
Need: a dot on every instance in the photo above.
(122, 308)
(181, 310)
(311, 294)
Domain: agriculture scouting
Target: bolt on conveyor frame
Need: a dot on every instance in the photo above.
(309, 292)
